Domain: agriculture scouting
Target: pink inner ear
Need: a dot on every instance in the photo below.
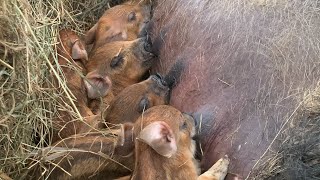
(79, 51)
(96, 85)
(160, 137)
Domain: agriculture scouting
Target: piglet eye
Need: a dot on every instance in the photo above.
(144, 104)
(116, 61)
(132, 16)
(184, 125)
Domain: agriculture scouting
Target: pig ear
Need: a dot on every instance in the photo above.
(125, 134)
(79, 51)
(125, 141)
(116, 33)
(91, 34)
(97, 86)
(160, 137)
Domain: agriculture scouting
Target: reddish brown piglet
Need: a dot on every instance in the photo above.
(71, 58)
(164, 148)
(98, 155)
(120, 23)
(137, 98)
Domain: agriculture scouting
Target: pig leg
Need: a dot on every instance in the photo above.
(218, 171)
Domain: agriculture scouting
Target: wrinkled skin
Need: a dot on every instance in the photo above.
(123, 22)
(247, 69)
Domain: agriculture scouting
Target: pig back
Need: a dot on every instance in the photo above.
(247, 66)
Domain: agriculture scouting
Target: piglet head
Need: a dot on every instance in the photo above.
(137, 98)
(165, 129)
(120, 23)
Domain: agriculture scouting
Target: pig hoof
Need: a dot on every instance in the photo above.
(218, 171)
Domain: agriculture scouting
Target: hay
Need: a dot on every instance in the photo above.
(28, 33)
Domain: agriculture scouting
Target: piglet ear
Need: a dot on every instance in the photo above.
(97, 86)
(125, 140)
(91, 34)
(79, 51)
(115, 33)
(125, 134)
(160, 137)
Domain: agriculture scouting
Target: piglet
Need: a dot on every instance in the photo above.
(137, 98)
(123, 22)
(72, 56)
(98, 155)
(164, 148)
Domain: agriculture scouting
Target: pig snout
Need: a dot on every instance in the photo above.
(193, 122)
(191, 118)
(145, 48)
(147, 44)
(163, 81)
(159, 80)
(160, 86)
(145, 29)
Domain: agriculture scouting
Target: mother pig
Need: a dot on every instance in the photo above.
(249, 63)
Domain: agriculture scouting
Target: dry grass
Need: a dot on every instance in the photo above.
(28, 33)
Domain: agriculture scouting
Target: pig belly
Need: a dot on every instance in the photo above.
(244, 72)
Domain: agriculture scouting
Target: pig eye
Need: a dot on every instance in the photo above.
(132, 16)
(144, 104)
(116, 61)
(184, 125)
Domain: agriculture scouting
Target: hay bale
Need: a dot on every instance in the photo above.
(28, 34)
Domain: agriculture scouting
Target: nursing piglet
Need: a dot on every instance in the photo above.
(164, 148)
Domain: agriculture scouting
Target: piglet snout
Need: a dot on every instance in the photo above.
(147, 44)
